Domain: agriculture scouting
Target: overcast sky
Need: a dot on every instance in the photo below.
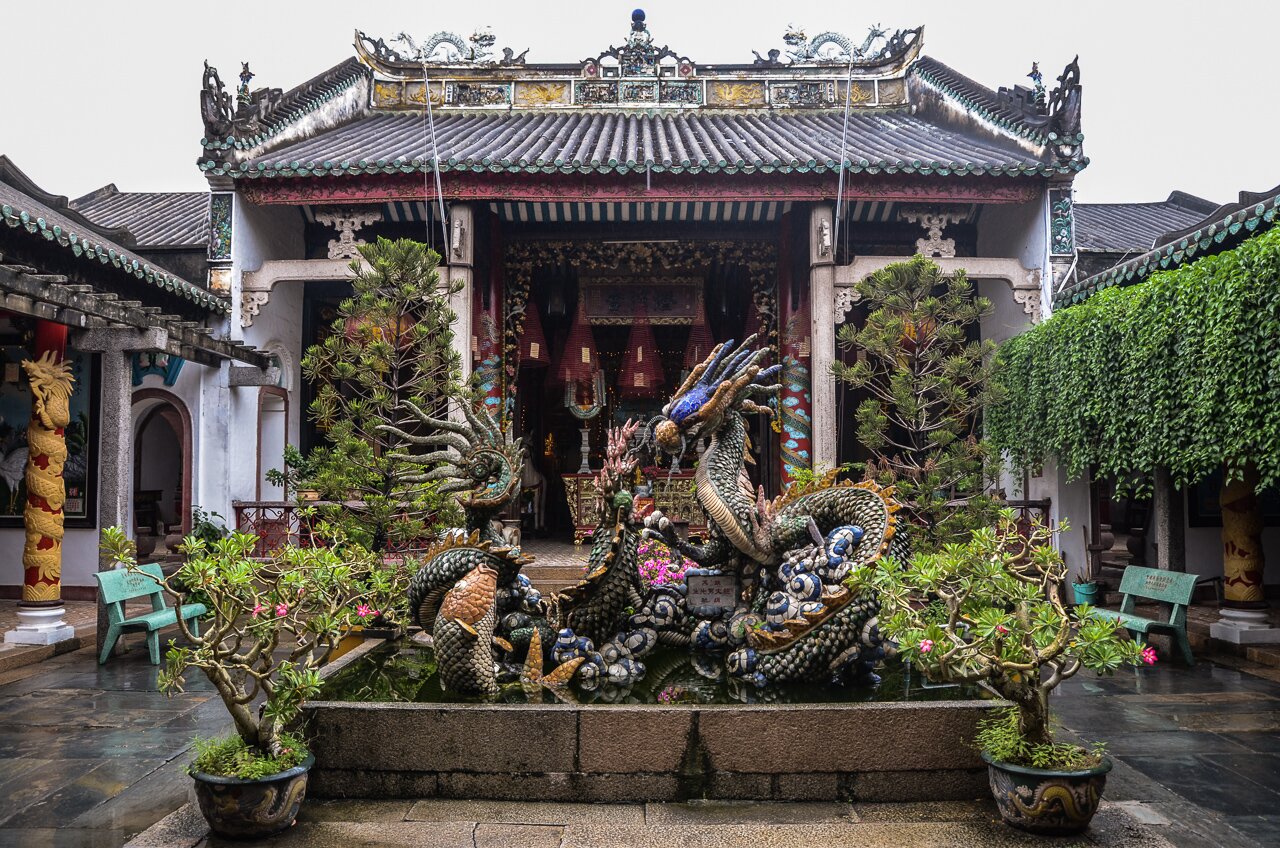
(1177, 94)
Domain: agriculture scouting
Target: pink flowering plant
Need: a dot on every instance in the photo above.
(658, 564)
(271, 623)
(990, 611)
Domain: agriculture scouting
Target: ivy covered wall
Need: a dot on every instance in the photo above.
(1181, 370)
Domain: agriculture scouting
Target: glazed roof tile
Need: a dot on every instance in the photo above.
(1135, 227)
(619, 141)
(1226, 227)
(169, 219)
(23, 205)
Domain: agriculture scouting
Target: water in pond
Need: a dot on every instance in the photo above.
(407, 673)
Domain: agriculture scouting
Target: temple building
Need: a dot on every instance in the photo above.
(610, 218)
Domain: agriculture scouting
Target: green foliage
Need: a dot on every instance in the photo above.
(1178, 371)
(999, 737)
(229, 756)
(392, 343)
(271, 622)
(926, 385)
(990, 610)
(207, 525)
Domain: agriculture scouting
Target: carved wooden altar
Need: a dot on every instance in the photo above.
(674, 496)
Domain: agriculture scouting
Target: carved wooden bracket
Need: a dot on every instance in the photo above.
(934, 222)
(347, 222)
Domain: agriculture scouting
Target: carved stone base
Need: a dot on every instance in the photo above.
(1244, 627)
(40, 626)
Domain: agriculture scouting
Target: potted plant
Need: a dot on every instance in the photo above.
(989, 611)
(296, 475)
(271, 625)
(1085, 587)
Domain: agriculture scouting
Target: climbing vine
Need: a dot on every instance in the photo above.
(1181, 371)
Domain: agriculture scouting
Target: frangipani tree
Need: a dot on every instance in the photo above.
(271, 623)
(990, 610)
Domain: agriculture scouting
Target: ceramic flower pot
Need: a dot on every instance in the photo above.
(1046, 802)
(252, 809)
(1086, 593)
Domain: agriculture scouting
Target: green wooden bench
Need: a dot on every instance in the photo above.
(1153, 584)
(120, 585)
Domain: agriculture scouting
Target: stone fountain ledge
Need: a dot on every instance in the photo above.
(892, 751)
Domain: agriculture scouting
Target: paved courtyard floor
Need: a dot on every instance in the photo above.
(94, 756)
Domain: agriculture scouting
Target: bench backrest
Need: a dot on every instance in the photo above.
(1154, 584)
(120, 585)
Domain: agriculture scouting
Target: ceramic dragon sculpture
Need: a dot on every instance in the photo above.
(470, 580)
(795, 619)
(51, 387)
(608, 620)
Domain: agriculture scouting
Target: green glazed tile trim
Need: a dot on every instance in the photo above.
(1252, 219)
(84, 247)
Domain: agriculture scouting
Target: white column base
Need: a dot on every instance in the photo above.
(1244, 627)
(40, 626)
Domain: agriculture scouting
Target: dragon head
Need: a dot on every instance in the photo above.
(479, 460)
(728, 381)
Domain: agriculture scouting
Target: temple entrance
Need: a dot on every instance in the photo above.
(161, 472)
(603, 341)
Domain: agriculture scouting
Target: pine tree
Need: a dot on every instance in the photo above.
(392, 343)
(926, 381)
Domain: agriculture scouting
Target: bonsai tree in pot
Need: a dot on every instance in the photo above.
(271, 625)
(989, 611)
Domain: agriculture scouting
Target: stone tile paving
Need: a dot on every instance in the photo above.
(1198, 747)
(484, 824)
(92, 755)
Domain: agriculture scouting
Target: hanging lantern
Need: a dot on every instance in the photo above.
(700, 342)
(360, 329)
(533, 341)
(579, 361)
(641, 373)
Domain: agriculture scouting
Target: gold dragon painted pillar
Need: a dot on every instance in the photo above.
(1242, 560)
(51, 386)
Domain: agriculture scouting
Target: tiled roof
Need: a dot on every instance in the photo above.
(1223, 229)
(1135, 227)
(166, 219)
(25, 206)
(620, 142)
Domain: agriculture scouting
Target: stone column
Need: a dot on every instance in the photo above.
(1168, 523)
(1244, 607)
(115, 429)
(822, 304)
(41, 613)
(461, 255)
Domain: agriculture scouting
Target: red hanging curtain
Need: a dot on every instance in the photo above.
(533, 341)
(579, 360)
(641, 374)
(700, 340)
